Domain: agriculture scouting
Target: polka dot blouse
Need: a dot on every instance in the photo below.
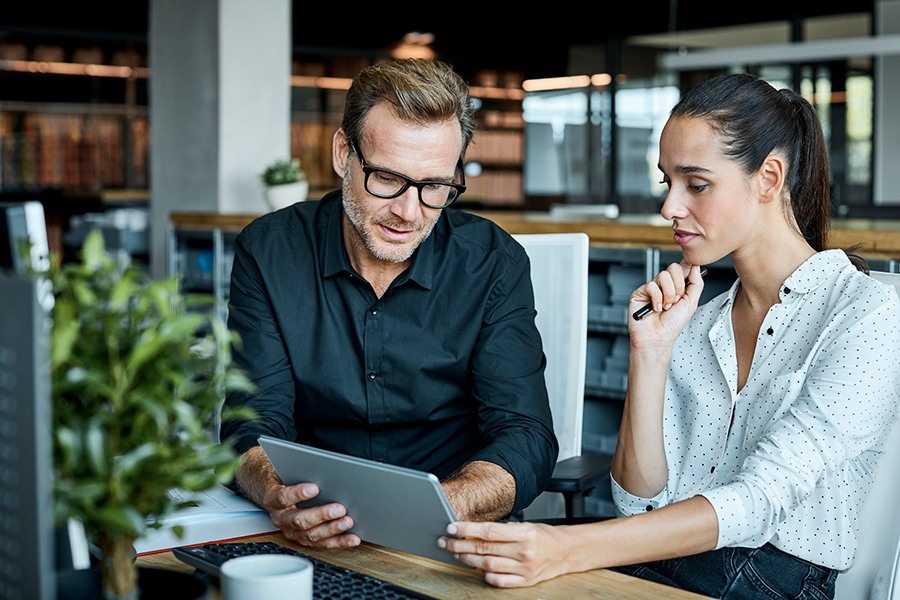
(795, 465)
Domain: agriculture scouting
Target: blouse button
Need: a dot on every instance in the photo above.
(787, 290)
(770, 331)
(649, 508)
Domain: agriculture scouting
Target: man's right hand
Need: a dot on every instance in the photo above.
(320, 526)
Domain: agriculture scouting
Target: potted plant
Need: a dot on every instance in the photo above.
(285, 183)
(137, 382)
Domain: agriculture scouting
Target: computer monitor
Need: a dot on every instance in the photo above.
(27, 558)
(22, 225)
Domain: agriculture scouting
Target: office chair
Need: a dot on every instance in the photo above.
(873, 576)
(559, 275)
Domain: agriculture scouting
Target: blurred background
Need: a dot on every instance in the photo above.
(120, 113)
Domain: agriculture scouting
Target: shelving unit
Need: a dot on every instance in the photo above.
(203, 259)
(73, 146)
(498, 149)
(75, 135)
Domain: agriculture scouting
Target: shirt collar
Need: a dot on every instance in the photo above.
(336, 258)
(334, 253)
(813, 271)
(806, 278)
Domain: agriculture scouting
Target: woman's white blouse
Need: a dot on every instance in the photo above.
(796, 465)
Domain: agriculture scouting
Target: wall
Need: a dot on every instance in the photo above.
(219, 106)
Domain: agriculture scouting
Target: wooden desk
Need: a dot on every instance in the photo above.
(449, 582)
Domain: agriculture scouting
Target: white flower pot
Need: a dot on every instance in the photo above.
(282, 196)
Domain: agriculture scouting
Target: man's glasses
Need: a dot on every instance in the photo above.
(388, 184)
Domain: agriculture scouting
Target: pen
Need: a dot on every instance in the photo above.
(648, 308)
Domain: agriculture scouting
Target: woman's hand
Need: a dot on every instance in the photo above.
(510, 554)
(673, 302)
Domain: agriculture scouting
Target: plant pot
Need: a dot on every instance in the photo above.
(282, 196)
(162, 584)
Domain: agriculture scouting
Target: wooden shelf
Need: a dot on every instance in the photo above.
(881, 239)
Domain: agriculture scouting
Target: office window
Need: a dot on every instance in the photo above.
(842, 94)
(556, 143)
(642, 109)
(860, 94)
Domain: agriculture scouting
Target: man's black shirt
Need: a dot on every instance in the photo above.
(446, 368)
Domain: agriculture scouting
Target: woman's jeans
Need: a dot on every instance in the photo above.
(742, 574)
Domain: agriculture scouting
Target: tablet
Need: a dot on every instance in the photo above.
(391, 506)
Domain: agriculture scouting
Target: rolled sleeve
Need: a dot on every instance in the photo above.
(628, 504)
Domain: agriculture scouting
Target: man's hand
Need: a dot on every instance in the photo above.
(321, 526)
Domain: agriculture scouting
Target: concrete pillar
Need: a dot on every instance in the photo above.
(886, 189)
(219, 106)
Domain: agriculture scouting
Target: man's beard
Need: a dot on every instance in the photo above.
(357, 215)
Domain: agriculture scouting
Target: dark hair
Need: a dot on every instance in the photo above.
(753, 120)
(420, 91)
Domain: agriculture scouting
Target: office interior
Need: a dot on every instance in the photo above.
(153, 120)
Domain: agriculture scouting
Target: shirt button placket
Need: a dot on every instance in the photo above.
(373, 351)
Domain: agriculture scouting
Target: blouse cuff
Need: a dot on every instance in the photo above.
(731, 514)
(628, 504)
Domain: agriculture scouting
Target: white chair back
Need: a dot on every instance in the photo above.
(879, 526)
(559, 275)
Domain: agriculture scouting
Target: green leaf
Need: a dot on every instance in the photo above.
(122, 519)
(123, 290)
(128, 463)
(95, 444)
(65, 333)
(68, 445)
(93, 252)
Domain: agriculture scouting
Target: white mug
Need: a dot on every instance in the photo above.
(267, 576)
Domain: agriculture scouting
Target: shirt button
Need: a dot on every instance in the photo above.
(787, 290)
(649, 508)
(374, 311)
(373, 375)
(770, 331)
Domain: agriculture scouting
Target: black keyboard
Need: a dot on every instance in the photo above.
(329, 581)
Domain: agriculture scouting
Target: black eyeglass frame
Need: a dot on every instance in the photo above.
(368, 170)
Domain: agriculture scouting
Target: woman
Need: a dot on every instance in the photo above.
(751, 425)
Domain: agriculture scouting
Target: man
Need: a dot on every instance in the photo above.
(378, 323)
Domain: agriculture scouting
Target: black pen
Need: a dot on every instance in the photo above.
(648, 308)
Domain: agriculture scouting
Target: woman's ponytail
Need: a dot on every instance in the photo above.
(808, 180)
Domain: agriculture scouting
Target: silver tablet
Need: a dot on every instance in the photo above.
(391, 506)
